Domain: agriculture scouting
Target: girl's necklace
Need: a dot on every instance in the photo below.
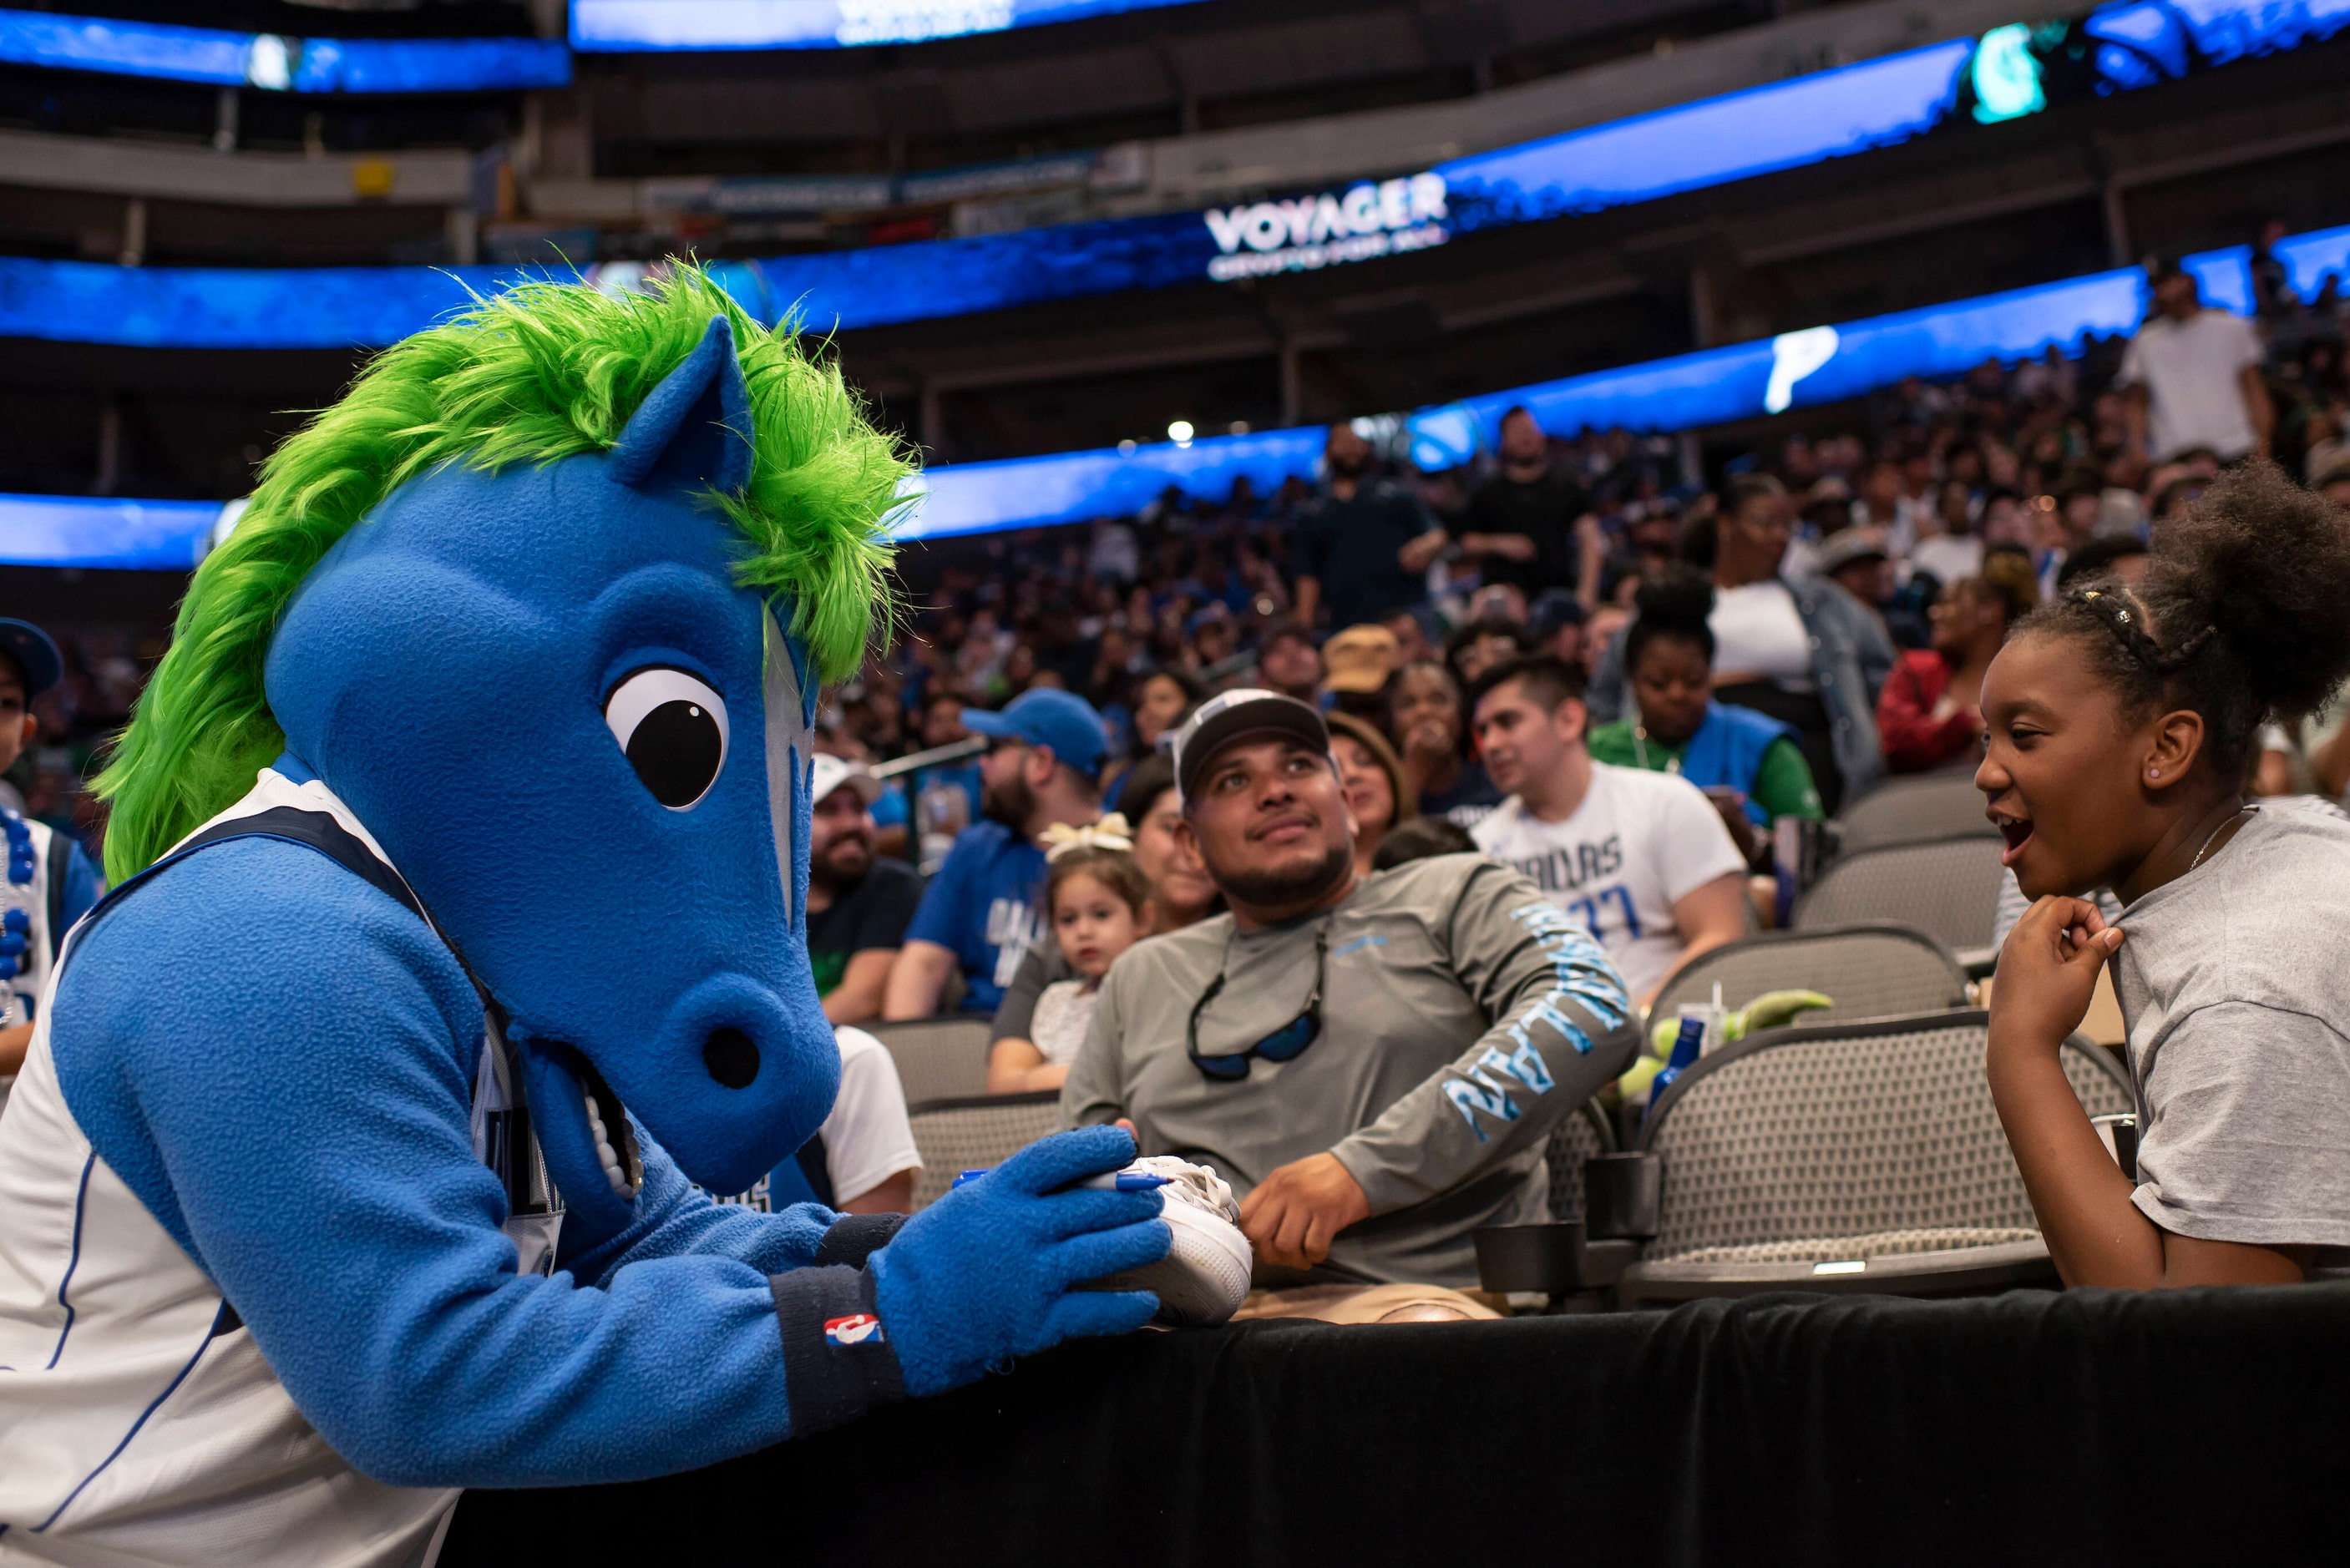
(2214, 836)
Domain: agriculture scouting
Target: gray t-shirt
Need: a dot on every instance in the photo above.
(2234, 985)
(1462, 1016)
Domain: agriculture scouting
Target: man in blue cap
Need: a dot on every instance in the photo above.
(979, 914)
(48, 883)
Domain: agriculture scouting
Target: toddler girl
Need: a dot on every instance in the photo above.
(1098, 901)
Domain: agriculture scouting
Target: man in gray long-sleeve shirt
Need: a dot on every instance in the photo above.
(1382, 1058)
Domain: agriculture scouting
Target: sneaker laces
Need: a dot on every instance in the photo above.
(1196, 1185)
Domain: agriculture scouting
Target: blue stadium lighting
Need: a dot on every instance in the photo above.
(1805, 369)
(2171, 35)
(1714, 386)
(278, 63)
(1828, 114)
(87, 531)
(1713, 141)
(2310, 258)
(647, 25)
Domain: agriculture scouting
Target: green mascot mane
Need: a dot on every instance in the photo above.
(543, 372)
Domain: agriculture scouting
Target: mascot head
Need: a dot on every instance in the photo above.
(545, 600)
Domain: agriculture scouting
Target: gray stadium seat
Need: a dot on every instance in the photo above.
(1948, 889)
(1873, 971)
(976, 1133)
(938, 1058)
(1914, 811)
(1858, 1156)
(1587, 1130)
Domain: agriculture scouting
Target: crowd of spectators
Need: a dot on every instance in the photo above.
(1613, 680)
(1848, 586)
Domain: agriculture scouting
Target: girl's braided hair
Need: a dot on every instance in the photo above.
(2244, 613)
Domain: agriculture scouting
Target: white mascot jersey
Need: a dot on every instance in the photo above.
(139, 1422)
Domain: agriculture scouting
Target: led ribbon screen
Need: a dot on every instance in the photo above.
(648, 25)
(1737, 136)
(1795, 369)
(276, 63)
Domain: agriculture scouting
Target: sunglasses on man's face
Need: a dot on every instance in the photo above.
(1283, 1045)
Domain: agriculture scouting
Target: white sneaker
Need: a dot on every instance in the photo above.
(1204, 1276)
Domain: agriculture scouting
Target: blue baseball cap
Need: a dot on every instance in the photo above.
(1046, 716)
(35, 654)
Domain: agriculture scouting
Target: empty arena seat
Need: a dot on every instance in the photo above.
(1874, 970)
(976, 1132)
(1916, 811)
(938, 1058)
(1946, 887)
(1857, 1157)
(1587, 1130)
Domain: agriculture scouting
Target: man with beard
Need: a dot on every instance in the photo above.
(1365, 547)
(1464, 1016)
(978, 916)
(857, 905)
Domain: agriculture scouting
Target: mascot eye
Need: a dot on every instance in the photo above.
(673, 729)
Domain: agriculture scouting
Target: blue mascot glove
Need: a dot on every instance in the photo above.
(986, 1273)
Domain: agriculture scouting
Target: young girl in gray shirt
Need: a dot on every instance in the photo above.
(2121, 725)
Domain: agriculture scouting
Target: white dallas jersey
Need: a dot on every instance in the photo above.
(139, 1422)
(1637, 843)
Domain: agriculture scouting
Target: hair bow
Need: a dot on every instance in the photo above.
(1110, 833)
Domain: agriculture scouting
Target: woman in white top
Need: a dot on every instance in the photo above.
(1802, 651)
(1762, 650)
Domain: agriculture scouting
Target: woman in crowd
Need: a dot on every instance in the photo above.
(1678, 728)
(1163, 698)
(1098, 901)
(1373, 777)
(1801, 650)
(1931, 713)
(2120, 722)
(1440, 775)
(1180, 894)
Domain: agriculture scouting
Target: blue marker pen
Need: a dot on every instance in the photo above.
(1116, 1181)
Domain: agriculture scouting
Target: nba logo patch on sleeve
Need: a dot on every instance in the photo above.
(857, 1328)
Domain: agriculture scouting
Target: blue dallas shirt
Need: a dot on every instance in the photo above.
(981, 906)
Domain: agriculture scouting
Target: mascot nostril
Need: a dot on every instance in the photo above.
(730, 1058)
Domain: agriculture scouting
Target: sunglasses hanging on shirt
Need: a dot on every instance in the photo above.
(1283, 1043)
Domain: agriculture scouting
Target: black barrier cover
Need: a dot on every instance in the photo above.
(2091, 1427)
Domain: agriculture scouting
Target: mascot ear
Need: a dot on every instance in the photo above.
(694, 429)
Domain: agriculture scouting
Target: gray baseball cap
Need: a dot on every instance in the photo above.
(1249, 713)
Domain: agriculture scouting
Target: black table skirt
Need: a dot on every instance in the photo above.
(2090, 1427)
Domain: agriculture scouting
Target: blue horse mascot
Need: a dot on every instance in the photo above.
(457, 954)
